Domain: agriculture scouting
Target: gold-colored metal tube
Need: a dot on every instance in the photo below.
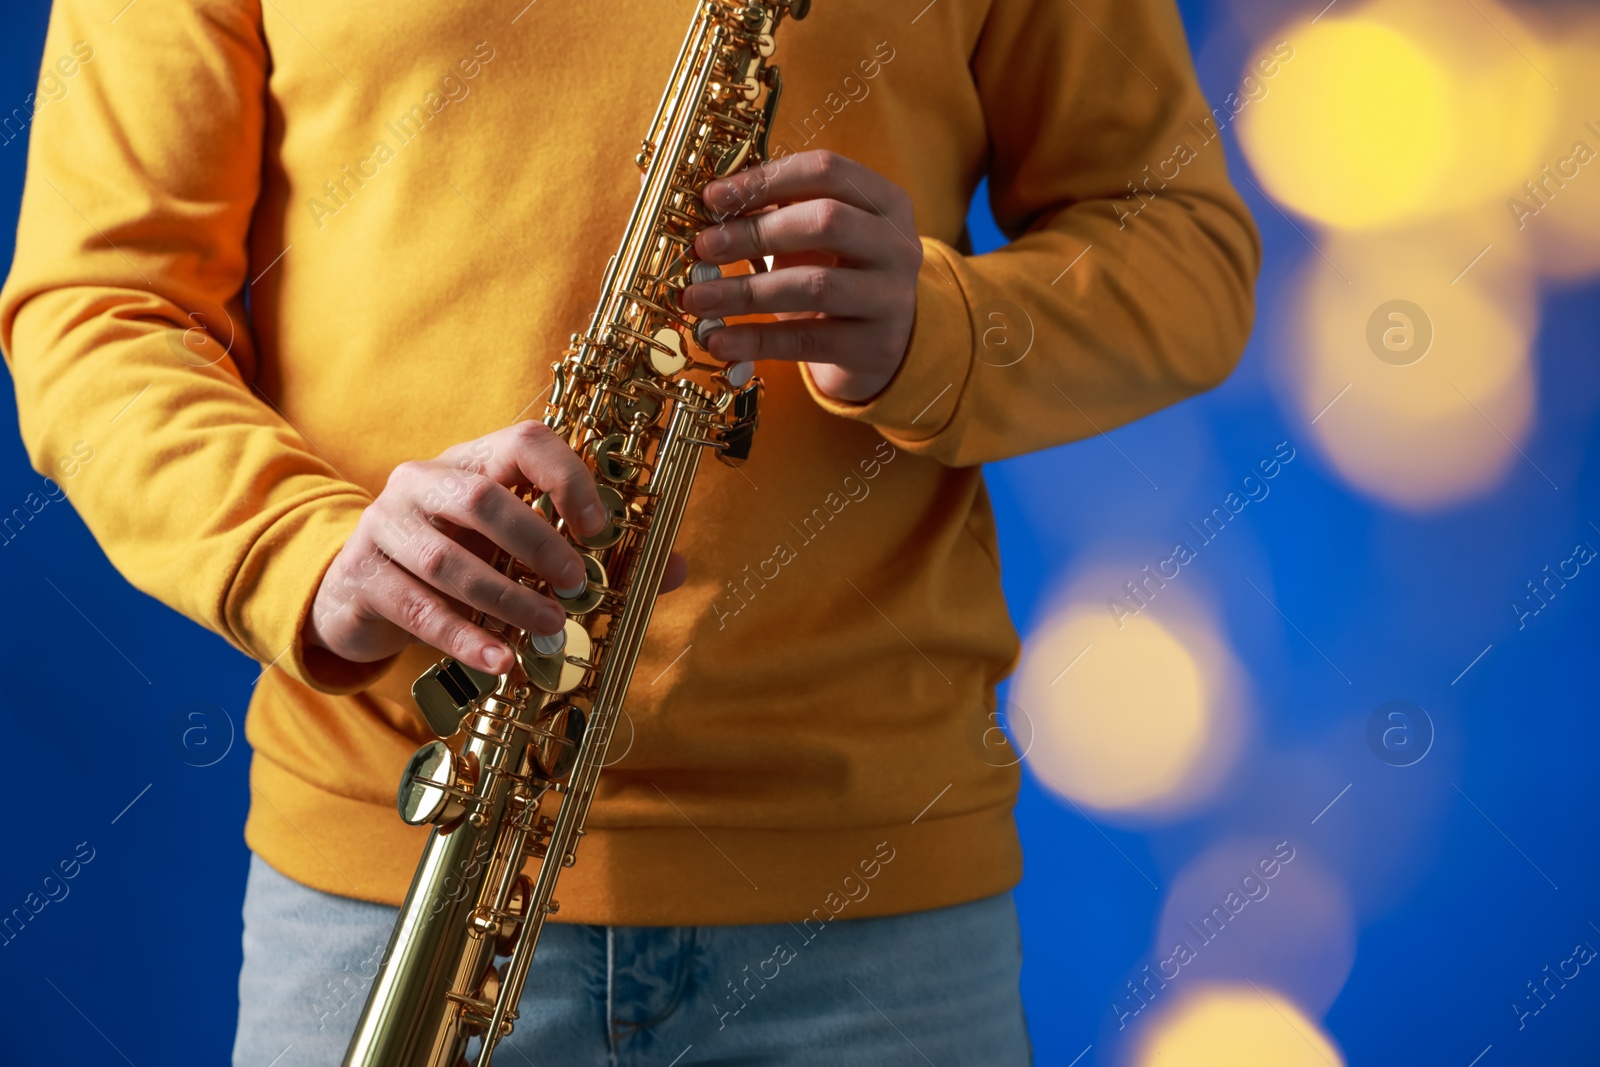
(630, 379)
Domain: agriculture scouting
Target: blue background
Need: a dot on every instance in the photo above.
(1452, 924)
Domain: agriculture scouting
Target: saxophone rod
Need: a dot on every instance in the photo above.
(647, 206)
(663, 167)
(683, 460)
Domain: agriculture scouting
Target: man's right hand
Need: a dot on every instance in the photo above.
(416, 566)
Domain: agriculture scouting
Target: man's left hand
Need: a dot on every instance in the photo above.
(844, 281)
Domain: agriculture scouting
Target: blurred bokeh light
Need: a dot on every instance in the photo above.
(1237, 1026)
(1407, 135)
(1361, 129)
(1389, 113)
(1562, 240)
(1129, 715)
(1415, 380)
(1263, 910)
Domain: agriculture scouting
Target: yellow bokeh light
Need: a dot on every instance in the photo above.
(1499, 80)
(1359, 128)
(1446, 426)
(1237, 1026)
(1559, 227)
(1263, 908)
(1125, 717)
(1402, 112)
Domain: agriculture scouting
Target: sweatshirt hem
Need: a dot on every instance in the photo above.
(660, 875)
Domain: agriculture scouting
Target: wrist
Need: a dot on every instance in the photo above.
(850, 386)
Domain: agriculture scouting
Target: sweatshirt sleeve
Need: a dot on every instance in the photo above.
(1128, 280)
(123, 323)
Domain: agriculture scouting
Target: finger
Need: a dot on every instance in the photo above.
(436, 620)
(837, 341)
(485, 507)
(836, 291)
(450, 568)
(804, 176)
(530, 451)
(676, 574)
(821, 225)
(471, 540)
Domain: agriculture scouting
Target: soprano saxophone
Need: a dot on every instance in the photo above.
(508, 785)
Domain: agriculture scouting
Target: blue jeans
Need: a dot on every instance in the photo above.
(937, 987)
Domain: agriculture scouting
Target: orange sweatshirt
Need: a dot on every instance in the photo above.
(269, 251)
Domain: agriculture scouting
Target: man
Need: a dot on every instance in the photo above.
(274, 256)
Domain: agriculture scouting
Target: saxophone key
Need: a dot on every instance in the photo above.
(666, 355)
(435, 786)
(735, 155)
(446, 690)
(516, 910)
(589, 595)
(555, 745)
(558, 673)
(705, 328)
(549, 645)
(636, 407)
(611, 459)
(616, 510)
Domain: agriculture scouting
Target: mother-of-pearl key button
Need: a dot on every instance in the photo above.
(704, 272)
(705, 328)
(549, 644)
(739, 374)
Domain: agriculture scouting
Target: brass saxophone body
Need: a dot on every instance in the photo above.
(508, 785)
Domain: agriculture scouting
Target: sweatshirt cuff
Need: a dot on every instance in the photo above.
(277, 586)
(921, 399)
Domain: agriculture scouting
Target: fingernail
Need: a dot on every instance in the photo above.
(714, 241)
(718, 194)
(497, 657)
